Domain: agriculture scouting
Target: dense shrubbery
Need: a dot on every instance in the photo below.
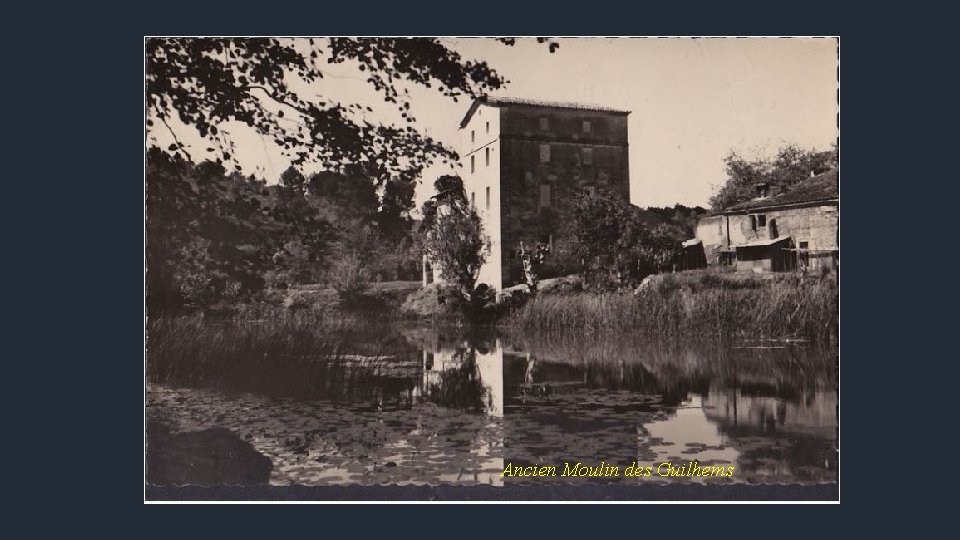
(349, 278)
(444, 302)
(215, 238)
(452, 235)
(619, 243)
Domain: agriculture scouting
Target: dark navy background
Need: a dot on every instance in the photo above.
(74, 258)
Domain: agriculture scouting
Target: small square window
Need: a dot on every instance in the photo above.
(587, 127)
(544, 153)
(544, 123)
(762, 220)
(804, 245)
(588, 156)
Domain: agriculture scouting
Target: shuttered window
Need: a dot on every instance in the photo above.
(544, 195)
(544, 153)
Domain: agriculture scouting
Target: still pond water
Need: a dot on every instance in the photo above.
(457, 409)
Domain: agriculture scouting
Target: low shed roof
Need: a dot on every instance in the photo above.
(764, 242)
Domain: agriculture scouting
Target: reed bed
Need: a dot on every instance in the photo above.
(296, 356)
(699, 306)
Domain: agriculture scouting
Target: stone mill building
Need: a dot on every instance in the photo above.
(524, 161)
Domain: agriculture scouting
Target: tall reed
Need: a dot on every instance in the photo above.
(699, 306)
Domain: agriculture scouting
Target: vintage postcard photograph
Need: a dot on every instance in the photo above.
(491, 269)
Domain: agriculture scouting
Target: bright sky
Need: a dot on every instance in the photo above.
(692, 102)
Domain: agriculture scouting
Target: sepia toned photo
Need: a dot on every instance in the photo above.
(474, 269)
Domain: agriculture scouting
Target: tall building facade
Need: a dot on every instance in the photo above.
(524, 163)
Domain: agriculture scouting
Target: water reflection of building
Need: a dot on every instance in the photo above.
(481, 364)
(777, 436)
(466, 374)
(689, 434)
(732, 408)
(623, 408)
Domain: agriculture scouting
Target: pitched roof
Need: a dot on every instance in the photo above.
(823, 187)
(763, 242)
(507, 101)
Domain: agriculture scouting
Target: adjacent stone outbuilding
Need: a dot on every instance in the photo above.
(795, 229)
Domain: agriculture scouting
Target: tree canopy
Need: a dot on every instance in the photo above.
(452, 234)
(215, 234)
(619, 242)
(269, 84)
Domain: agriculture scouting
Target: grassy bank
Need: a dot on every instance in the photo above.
(379, 301)
(697, 305)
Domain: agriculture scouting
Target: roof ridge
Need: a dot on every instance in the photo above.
(506, 100)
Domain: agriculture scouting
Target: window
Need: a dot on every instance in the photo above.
(473, 136)
(586, 127)
(488, 127)
(487, 155)
(544, 123)
(588, 156)
(473, 163)
(544, 153)
(488, 197)
(544, 195)
(473, 199)
(762, 220)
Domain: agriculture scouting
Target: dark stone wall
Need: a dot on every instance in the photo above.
(523, 217)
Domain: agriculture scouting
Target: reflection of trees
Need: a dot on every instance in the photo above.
(618, 362)
(460, 387)
(447, 338)
(289, 357)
